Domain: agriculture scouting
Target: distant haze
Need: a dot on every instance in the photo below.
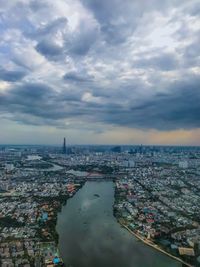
(100, 72)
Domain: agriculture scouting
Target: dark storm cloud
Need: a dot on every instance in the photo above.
(11, 76)
(193, 49)
(109, 62)
(26, 98)
(40, 103)
(119, 19)
(77, 43)
(76, 77)
(163, 62)
(47, 37)
(113, 16)
(48, 49)
(28, 101)
(82, 40)
(36, 5)
(30, 91)
(177, 109)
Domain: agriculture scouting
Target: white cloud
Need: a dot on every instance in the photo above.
(113, 54)
(88, 97)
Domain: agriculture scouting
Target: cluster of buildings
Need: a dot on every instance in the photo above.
(30, 198)
(19, 253)
(160, 204)
(157, 191)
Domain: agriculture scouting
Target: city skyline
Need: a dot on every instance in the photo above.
(100, 72)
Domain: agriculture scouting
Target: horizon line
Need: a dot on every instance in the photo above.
(144, 145)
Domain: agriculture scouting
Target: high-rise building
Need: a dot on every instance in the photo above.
(64, 146)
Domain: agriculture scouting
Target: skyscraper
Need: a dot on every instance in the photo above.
(64, 147)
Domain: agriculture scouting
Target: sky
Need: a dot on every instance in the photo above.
(100, 72)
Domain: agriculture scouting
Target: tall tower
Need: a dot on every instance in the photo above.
(64, 147)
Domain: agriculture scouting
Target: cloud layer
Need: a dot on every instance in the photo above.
(98, 64)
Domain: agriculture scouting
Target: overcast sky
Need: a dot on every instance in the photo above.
(100, 71)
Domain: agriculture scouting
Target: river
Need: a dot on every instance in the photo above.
(89, 235)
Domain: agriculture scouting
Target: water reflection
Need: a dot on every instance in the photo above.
(91, 237)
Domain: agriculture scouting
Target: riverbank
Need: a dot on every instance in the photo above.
(150, 220)
(153, 245)
(47, 231)
(87, 228)
(63, 202)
